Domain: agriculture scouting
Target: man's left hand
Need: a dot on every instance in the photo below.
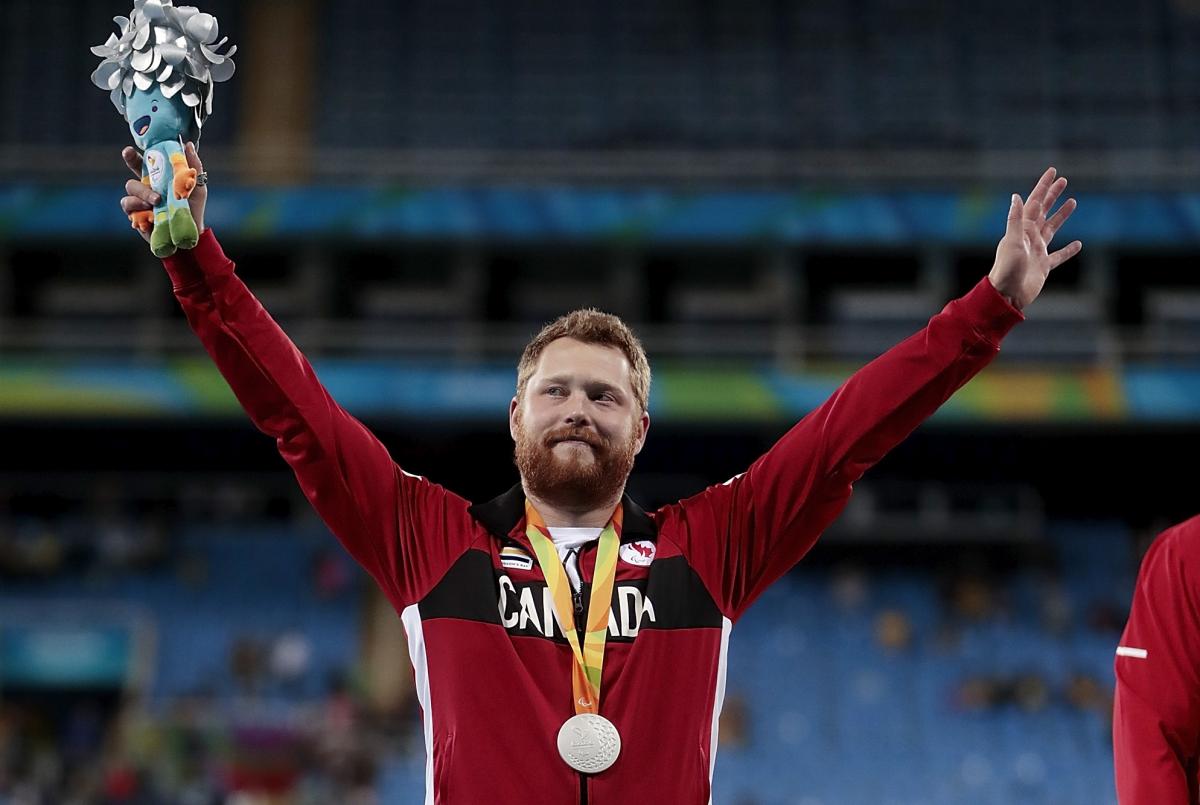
(1023, 258)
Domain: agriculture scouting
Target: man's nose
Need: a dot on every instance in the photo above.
(578, 419)
(577, 414)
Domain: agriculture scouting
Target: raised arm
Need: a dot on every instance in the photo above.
(767, 518)
(403, 529)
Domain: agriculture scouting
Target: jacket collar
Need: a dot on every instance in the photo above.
(504, 516)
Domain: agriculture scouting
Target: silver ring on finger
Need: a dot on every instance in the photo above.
(201, 178)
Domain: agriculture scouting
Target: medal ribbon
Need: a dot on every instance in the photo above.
(588, 658)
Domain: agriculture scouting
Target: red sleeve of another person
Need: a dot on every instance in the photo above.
(403, 529)
(1156, 709)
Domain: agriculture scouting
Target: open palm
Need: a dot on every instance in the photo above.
(1023, 257)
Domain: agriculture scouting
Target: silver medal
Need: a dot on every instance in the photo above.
(589, 743)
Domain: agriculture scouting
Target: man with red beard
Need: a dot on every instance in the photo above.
(568, 646)
(574, 463)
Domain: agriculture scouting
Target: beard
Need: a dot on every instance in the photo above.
(573, 481)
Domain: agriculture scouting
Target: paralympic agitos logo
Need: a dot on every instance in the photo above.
(529, 610)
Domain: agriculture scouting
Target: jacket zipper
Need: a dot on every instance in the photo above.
(583, 789)
(580, 615)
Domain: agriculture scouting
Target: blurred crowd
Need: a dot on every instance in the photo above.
(196, 751)
(260, 733)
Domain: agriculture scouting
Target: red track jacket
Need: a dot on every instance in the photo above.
(492, 669)
(1156, 710)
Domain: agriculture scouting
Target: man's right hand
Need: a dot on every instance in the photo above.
(140, 198)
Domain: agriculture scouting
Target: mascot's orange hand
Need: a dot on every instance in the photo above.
(142, 221)
(185, 182)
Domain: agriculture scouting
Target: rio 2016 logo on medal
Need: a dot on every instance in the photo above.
(589, 743)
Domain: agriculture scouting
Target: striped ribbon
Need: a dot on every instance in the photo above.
(588, 658)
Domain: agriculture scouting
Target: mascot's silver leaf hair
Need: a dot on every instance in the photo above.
(173, 47)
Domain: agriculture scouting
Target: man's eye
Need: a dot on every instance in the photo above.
(555, 390)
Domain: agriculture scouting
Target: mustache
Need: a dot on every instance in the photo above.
(574, 434)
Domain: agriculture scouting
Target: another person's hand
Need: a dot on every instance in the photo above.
(1023, 259)
(140, 199)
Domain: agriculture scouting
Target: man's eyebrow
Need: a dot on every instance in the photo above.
(591, 384)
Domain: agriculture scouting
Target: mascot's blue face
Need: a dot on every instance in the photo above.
(153, 118)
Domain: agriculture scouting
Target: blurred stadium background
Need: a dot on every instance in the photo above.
(772, 192)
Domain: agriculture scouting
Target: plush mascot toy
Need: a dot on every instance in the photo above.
(160, 74)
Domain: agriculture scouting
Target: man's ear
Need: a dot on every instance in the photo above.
(512, 418)
(644, 425)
